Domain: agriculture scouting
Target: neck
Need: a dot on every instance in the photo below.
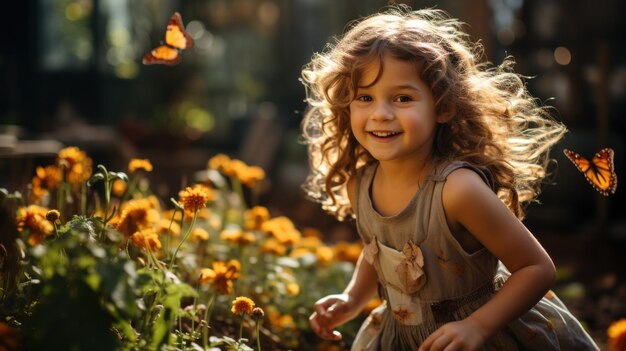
(400, 173)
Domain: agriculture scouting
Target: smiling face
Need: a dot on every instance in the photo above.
(394, 118)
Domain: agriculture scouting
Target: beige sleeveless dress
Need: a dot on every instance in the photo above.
(427, 279)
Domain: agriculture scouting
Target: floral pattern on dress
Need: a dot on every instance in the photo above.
(411, 268)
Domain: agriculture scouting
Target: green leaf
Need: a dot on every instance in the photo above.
(95, 178)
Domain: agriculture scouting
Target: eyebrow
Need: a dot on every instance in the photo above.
(400, 86)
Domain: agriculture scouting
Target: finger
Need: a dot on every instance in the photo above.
(322, 306)
(427, 344)
(453, 346)
(440, 343)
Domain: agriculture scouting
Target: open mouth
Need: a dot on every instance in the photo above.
(384, 134)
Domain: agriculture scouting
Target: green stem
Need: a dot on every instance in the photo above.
(193, 222)
(207, 318)
(241, 328)
(258, 335)
(169, 231)
(83, 198)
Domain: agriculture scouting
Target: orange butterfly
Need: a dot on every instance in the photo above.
(176, 40)
(599, 172)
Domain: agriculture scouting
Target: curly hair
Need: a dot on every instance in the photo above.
(496, 124)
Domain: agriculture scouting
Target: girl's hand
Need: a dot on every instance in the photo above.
(331, 311)
(464, 335)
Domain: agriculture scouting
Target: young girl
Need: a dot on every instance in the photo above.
(435, 155)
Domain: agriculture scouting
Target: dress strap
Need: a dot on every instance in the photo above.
(444, 170)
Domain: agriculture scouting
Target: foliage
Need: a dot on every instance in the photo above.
(95, 261)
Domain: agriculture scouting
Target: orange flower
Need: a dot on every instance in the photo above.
(119, 187)
(255, 217)
(136, 164)
(146, 239)
(32, 219)
(50, 176)
(272, 246)
(324, 255)
(293, 289)
(281, 321)
(348, 252)
(75, 163)
(251, 175)
(195, 198)
(234, 167)
(242, 305)
(136, 215)
(218, 161)
(237, 236)
(282, 229)
(163, 227)
(199, 234)
(221, 276)
(617, 335)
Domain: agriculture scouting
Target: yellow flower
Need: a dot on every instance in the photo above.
(136, 215)
(50, 176)
(218, 161)
(272, 246)
(33, 220)
(324, 255)
(282, 229)
(199, 234)
(310, 242)
(119, 187)
(281, 321)
(146, 239)
(348, 252)
(255, 217)
(242, 305)
(194, 198)
(293, 289)
(617, 335)
(234, 167)
(299, 252)
(221, 276)
(251, 175)
(75, 163)
(237, 236)
(164, 225)
(136, 164)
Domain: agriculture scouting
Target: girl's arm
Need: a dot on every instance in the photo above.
(470, 205)
(334, 310)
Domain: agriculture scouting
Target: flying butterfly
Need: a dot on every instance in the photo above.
(176, 40)
(600, 172)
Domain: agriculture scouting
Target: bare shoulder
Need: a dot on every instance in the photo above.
(465, 188)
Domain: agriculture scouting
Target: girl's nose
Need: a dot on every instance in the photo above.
(382, 112)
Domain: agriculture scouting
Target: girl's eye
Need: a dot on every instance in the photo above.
(364, 98)
(404, 98)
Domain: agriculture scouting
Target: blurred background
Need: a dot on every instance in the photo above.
(72, 76)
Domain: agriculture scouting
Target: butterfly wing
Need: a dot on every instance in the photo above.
(162, 54)
(175, 35)
(599, 172)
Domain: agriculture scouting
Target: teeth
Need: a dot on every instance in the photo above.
(384, 134)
